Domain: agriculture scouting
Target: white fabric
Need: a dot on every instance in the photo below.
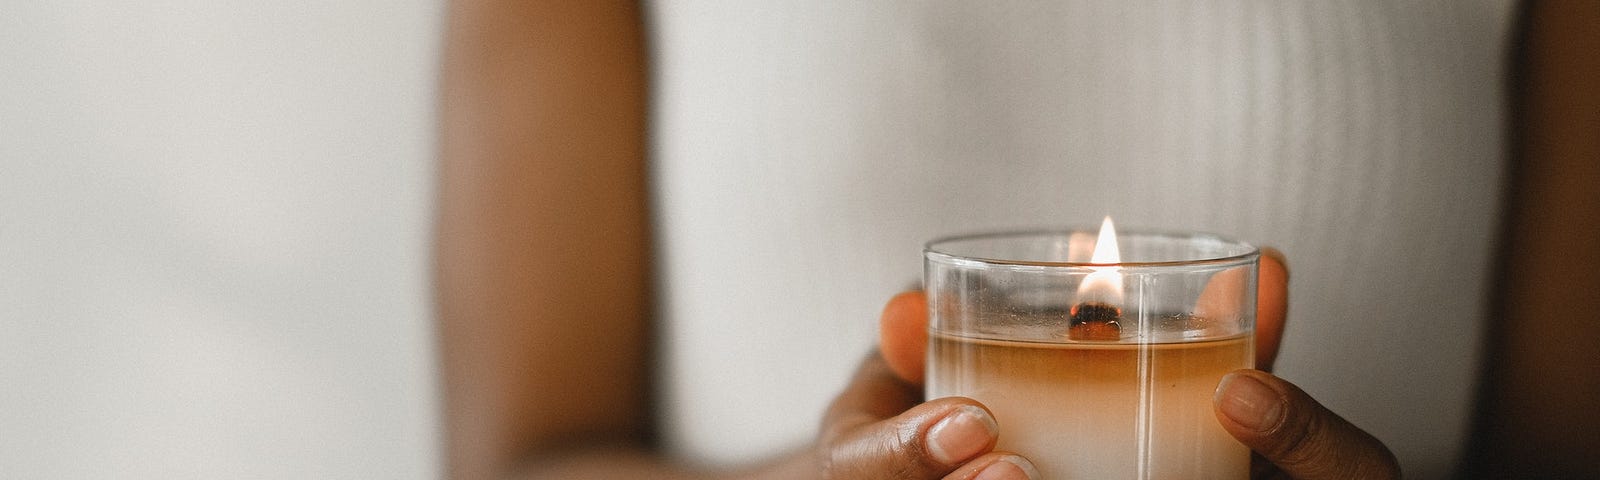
(804, 151)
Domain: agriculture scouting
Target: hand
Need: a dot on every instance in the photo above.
(1292, 435)
(877, 430)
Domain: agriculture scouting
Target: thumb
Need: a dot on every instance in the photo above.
(926, 442)
(873, 431)
(1290, 429)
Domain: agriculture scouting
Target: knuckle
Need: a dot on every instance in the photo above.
(1316, 443)
(1299, 441)
(827, 463)
(890, 453)
(904, 454)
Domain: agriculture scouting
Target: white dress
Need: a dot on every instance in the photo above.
(804, 151)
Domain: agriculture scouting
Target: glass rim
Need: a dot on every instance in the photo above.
(931, 250)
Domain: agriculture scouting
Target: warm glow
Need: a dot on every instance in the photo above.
(1104, 284)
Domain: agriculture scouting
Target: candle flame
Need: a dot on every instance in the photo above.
(1105, 248)
(1104, 284)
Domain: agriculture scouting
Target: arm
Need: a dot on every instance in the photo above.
(542, 268)
(542, 242)
(1536, 401)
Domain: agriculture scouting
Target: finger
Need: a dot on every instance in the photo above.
(926, 442)
(875, 429)
(1225, 294)
(1261, 469)
(1290, 429)
(1272, 306)
(996, 466)
(903, 334)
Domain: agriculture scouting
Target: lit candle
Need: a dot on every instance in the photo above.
(1113, 379)
(1097, 312)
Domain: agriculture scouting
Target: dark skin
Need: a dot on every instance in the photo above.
(543, 124)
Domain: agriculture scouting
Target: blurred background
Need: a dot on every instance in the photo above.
(214, 220)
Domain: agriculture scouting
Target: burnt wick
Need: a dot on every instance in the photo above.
(1093, 321)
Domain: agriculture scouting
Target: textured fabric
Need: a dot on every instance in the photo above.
(804, 151)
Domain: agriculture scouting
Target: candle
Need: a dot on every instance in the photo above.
(1095, 369)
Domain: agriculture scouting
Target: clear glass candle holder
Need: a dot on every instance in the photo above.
(1093, 368)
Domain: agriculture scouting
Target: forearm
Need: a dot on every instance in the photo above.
(1550, 270)
(609, 463)
(542, 242)
(630, 464)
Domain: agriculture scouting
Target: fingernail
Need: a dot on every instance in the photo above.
(1010, 467)
(964, 433)
(1249, 402)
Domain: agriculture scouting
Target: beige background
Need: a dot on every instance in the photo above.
(213, 231)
